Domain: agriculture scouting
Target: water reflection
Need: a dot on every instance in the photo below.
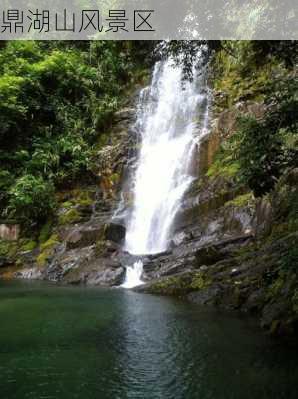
(88, 343)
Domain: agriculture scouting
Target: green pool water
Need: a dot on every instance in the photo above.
(68, 342)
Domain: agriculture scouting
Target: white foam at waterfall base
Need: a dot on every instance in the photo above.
(133, 275)
(172, 118)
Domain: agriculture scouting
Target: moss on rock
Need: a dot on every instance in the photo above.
(241, 200)
(180, 285)
(70, 217)
(8, 248)
(67, 204)
(43, 258)
(47, 250)
(28, 245)
(52, 241)
(45, 232)
(223, 168)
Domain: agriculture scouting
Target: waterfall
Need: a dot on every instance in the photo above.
(133, 275)
(172, 117)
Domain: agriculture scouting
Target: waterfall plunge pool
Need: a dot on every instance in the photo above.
(86, 343)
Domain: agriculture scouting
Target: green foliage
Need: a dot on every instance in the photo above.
(263, 148)
(267, 146)
(245, 70)
(226, 164)
(241, 200)
(51, 242)
(47, 250)
(224, 167)
(259, 155)
(56, 99)
(236, 77)
(185, 53)
(31, 198)
(45, 232)
(6, 181)
(182, 284)
(285, 51)
(28, 245)
(70, 217)
(82, 197)
(289, 261)
(8, 248)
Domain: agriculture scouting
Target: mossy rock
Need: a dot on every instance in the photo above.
(223, 169)
(208, 256)
(43, 258)
(67, 205)
(70, 217)
(180, 285)
(83, 197)
(8, 248)
(4, 247)
(45, 232)
(115, 178)
(47, 250)
(100, 247)
(85, 202)
(76, 197)
(28, 245)
(241, 200)
(51, 242)
(199, 282)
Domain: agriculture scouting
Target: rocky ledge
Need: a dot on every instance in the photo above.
(236, 273)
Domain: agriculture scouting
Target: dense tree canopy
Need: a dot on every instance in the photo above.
(56, 98)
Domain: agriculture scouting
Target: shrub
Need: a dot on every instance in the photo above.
(267, 146)
(56, 99)
(259, 155)
(31, 199)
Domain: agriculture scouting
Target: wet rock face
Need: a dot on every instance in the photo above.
(110, 163)
(108, 277)
(80, 238)
(192, 255)
(115, 232)
(208, 255)
(5, 262)
(91, 265)
(212, 220)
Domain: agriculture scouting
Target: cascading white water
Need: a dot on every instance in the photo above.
(172, 117)
(133, 275)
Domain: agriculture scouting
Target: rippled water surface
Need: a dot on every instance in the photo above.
(65, 342)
